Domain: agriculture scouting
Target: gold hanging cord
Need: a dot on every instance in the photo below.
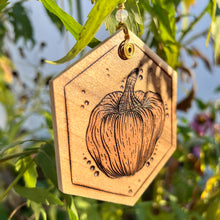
(126, 49)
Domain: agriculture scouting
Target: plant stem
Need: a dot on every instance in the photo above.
(194, 23)
(16, 180)
(128, 100)
(211, 24)
(7, 147)
(27, 153)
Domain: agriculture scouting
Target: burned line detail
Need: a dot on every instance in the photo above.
(124, 128)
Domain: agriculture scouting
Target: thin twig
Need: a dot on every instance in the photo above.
(16, 210)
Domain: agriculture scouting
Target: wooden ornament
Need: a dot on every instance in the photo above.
(114, 121)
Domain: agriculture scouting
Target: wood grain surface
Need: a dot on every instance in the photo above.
(114, 121)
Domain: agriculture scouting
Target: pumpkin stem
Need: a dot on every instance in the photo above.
(128, 101)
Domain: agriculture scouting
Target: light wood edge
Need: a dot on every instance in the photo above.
(57, 152)
(174, 104)
(154, 173)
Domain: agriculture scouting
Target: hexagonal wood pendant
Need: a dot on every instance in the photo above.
(114, 121)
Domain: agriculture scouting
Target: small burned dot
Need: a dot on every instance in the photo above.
(148, 164)
(92, 168)
(122, 87)
(130, 190)
(167, 115)
(155, 154)
(151, 158)
(87, 102)
(107, 69)
(82, 106)
(141, 70)
(151, 69)
(108, 75)
(83, 91)
(166, 109)
(88, 162)
(140, 77)
(85, 158)
(139, 180)
(96, 173)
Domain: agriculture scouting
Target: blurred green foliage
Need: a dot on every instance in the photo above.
(186, 188)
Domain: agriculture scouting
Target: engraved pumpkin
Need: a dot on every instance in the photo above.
(124, 128)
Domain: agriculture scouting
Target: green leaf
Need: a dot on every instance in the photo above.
(3, 211)
(46, 160)
(163, 26)
(3, 149)
(213, 210)
(48, 118)
(211, 10)
(135, 17)
(15, 129)
(196, 215)
(18, 177)
(99, 12)
(56, 21)
(217, 89)
(38, 210)
(180, 212)
(143, 210)
(22, 154)
(30, 175)
(134, 21)
(216, 34)
(21, 23)
(38, 195)
(201, 104)
(111, 23)
(3, 4)
(69, 22)
(71, 208)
